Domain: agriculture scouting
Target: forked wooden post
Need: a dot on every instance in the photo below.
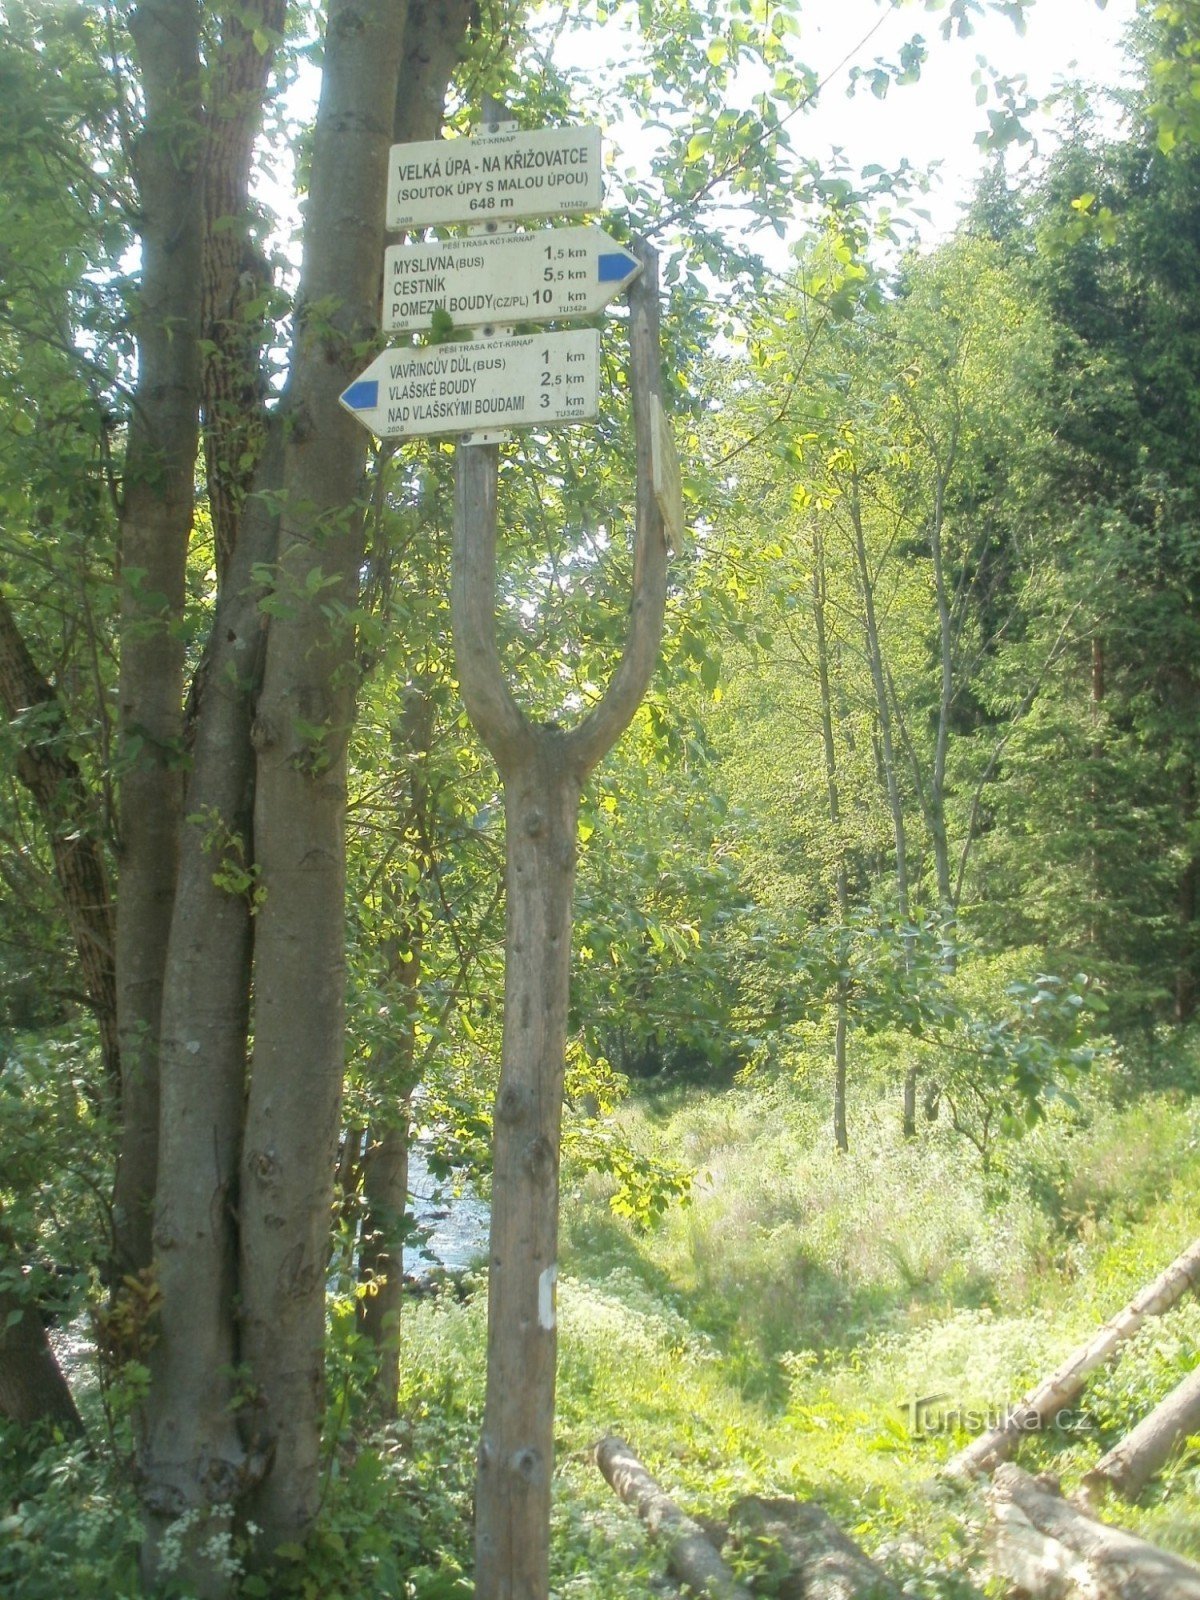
(543, 771)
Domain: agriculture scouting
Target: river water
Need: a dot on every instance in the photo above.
(451, 1216)
(454, 1215)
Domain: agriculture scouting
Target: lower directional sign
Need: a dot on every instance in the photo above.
(501, 383)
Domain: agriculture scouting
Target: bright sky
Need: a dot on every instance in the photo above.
(937, 118)
(933, 120)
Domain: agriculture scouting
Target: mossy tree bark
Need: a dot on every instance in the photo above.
(242, 1214)
(300, 733)
(155, 527)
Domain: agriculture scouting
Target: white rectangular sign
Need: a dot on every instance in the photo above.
(494, 176)
(504, 277)
(500, 383)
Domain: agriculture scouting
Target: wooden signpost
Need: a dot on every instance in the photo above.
(467, 389)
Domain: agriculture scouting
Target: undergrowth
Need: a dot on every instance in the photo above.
(808, 1324)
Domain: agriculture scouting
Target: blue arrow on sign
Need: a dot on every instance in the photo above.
(615, 266)
(362, 395)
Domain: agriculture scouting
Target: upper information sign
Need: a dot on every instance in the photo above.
(494, 176)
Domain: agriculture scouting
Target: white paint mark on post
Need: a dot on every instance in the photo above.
(546, 1310)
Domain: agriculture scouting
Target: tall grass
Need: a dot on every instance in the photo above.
(774, 1334)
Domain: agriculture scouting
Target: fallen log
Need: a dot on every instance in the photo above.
(1058, 1392)
(1047, 1548)
(1146, 1449)
(822, 1563)
(690, 1555)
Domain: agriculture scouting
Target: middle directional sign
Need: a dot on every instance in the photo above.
(458, 388)
(504, 277)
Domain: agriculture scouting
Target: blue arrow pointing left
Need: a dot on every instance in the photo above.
(362, 396)
(614, 265)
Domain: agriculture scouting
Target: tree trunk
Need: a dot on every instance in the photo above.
(192, 1455)
(516, 1449)
(909, 1118)
(385, 1165)
(1189, 896)
(891, 776)
(1146, 1449)
(543, 770)
(823, 1564)
(155, 525)
(833, 796)
(1061, 1389)
(235, 273)
(32, 1387)
(883, 704)
(300, 734)
(381, 1256)
(937, 775)
(689, 1552)
(841, 1136)
(1048, 1549)
(54, 780)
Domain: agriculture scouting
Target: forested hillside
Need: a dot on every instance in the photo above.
(862, 817)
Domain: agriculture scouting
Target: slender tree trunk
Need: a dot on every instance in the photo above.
(381, 1255)
(883, 704)
(833, 795)
(1189, 906)
(941, 745)
(68, 814)
(385, 1193)
(32, 1386)
(1094, 854)
(891, 777)
(841, 1135)
(909, 1108)
(235, 273)
(155, 525)
(385, 1166)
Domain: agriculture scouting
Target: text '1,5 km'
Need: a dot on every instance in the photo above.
(453, 388)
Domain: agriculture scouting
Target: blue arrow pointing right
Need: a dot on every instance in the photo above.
(614, 265)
